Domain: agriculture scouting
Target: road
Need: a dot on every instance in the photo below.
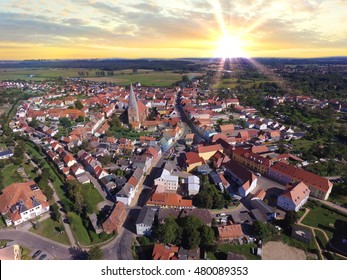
(120, 248)
(35, 242)
(185, 119)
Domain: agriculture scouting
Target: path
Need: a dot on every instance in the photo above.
(56, 199)
(332, 205)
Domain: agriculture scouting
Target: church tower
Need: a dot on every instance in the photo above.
(133, 109)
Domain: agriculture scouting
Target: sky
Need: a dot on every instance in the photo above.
(68, 29)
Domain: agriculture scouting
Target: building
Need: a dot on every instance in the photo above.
(166, 182)
(193, 160)
(116, 219)
(137, 111)
(294, 198)
(169, 200)
(11, 251)
(320, 187)
(145, 221)
(261, 211)
(244, 178)
(251, 160)
(6, 154)
(193, 185)
(20, 202)
(164, 252)
(126, 194)
(206, 152)
(230, 232)
(301, 233)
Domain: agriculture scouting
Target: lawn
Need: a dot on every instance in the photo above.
(302, 144)
(79, 231)
(11, 175)
(322, 241)
(324, 219)
(49, 229)
(92, 197)
(223, 250)
(2, 223)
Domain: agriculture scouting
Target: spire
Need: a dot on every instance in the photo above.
(133, 110)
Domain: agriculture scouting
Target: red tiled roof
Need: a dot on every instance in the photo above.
(210, 148)
(164, 252)
(169, 199)
(230, 231)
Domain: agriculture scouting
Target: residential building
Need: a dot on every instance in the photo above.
(164, 252)
(193, 160)
(11, 251)
(166, 182)
(251, 160)
(116, 219)
(320, 187)
(145, 221)
(244, 178)
(294, 198)
(20, 202)
(6, 154)
(206, 152)
(193, 185)
(230, 232)
(169, 200)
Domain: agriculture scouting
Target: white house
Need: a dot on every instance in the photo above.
(166, 182)
(6, 154)
(193, 185)
(294, 198)
(20, 202)
(145, 221)
(126, 194)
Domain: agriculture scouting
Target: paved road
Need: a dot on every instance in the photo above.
(35, 242)
(186, 120)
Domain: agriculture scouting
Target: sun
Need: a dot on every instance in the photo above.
(230, 47)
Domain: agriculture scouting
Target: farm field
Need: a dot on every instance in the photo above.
(146, 77)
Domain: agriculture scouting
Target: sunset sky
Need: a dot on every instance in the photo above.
(41, 29)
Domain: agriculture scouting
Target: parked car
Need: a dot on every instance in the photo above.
(42, 257)
(36, 254)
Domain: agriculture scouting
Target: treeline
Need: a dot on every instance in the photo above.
(112, 64)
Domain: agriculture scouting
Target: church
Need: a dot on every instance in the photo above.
(137, 111)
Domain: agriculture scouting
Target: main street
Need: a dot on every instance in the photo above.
(120, 248)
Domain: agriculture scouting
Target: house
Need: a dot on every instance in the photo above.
(263, 211)
(165, 141)
(193, 185)
(203, 214)
(251, 160)
(6, 154)
(166, 182)
(320, 187)
(169, 200)
(164, 252)
(191, 254)
(219, 158)
(116, 219)
(244, 178)
(126, 194)
(227, 128)
(193, 160)
(11, 251)
(216, 180)
(69, 160)
(230, 232)
(77, 169)
(145, 221)
(206, 152)
(20, 202)
(294, 198)
(189, 139)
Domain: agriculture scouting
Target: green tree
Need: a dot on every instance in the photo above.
(95, 253)
(78, 105)
(290, 219)
(55, 212)
(207, 236)
(169, 232)
(265, 231)
(65, 122)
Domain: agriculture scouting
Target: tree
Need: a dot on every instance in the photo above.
(80, 119)
(95, 253)
(290, 219)
(207, 236)
(265, 231)
(169, 232)
(203, 200)
(78, 105)
(65, 122)
(55, 212)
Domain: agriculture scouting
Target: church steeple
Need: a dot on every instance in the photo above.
(133, 109)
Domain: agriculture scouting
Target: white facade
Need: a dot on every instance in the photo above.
(287, 204)
(244, 192)
(168, 181)
(193, 185)
(28, 215)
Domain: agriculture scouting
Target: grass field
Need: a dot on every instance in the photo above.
(324, 219)
(223, 249)
(92, 197)
(11, 175)
(302, 144)
(122, 77)
(234, 82)
(49, 229)
(2, 223)
(79, 231)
